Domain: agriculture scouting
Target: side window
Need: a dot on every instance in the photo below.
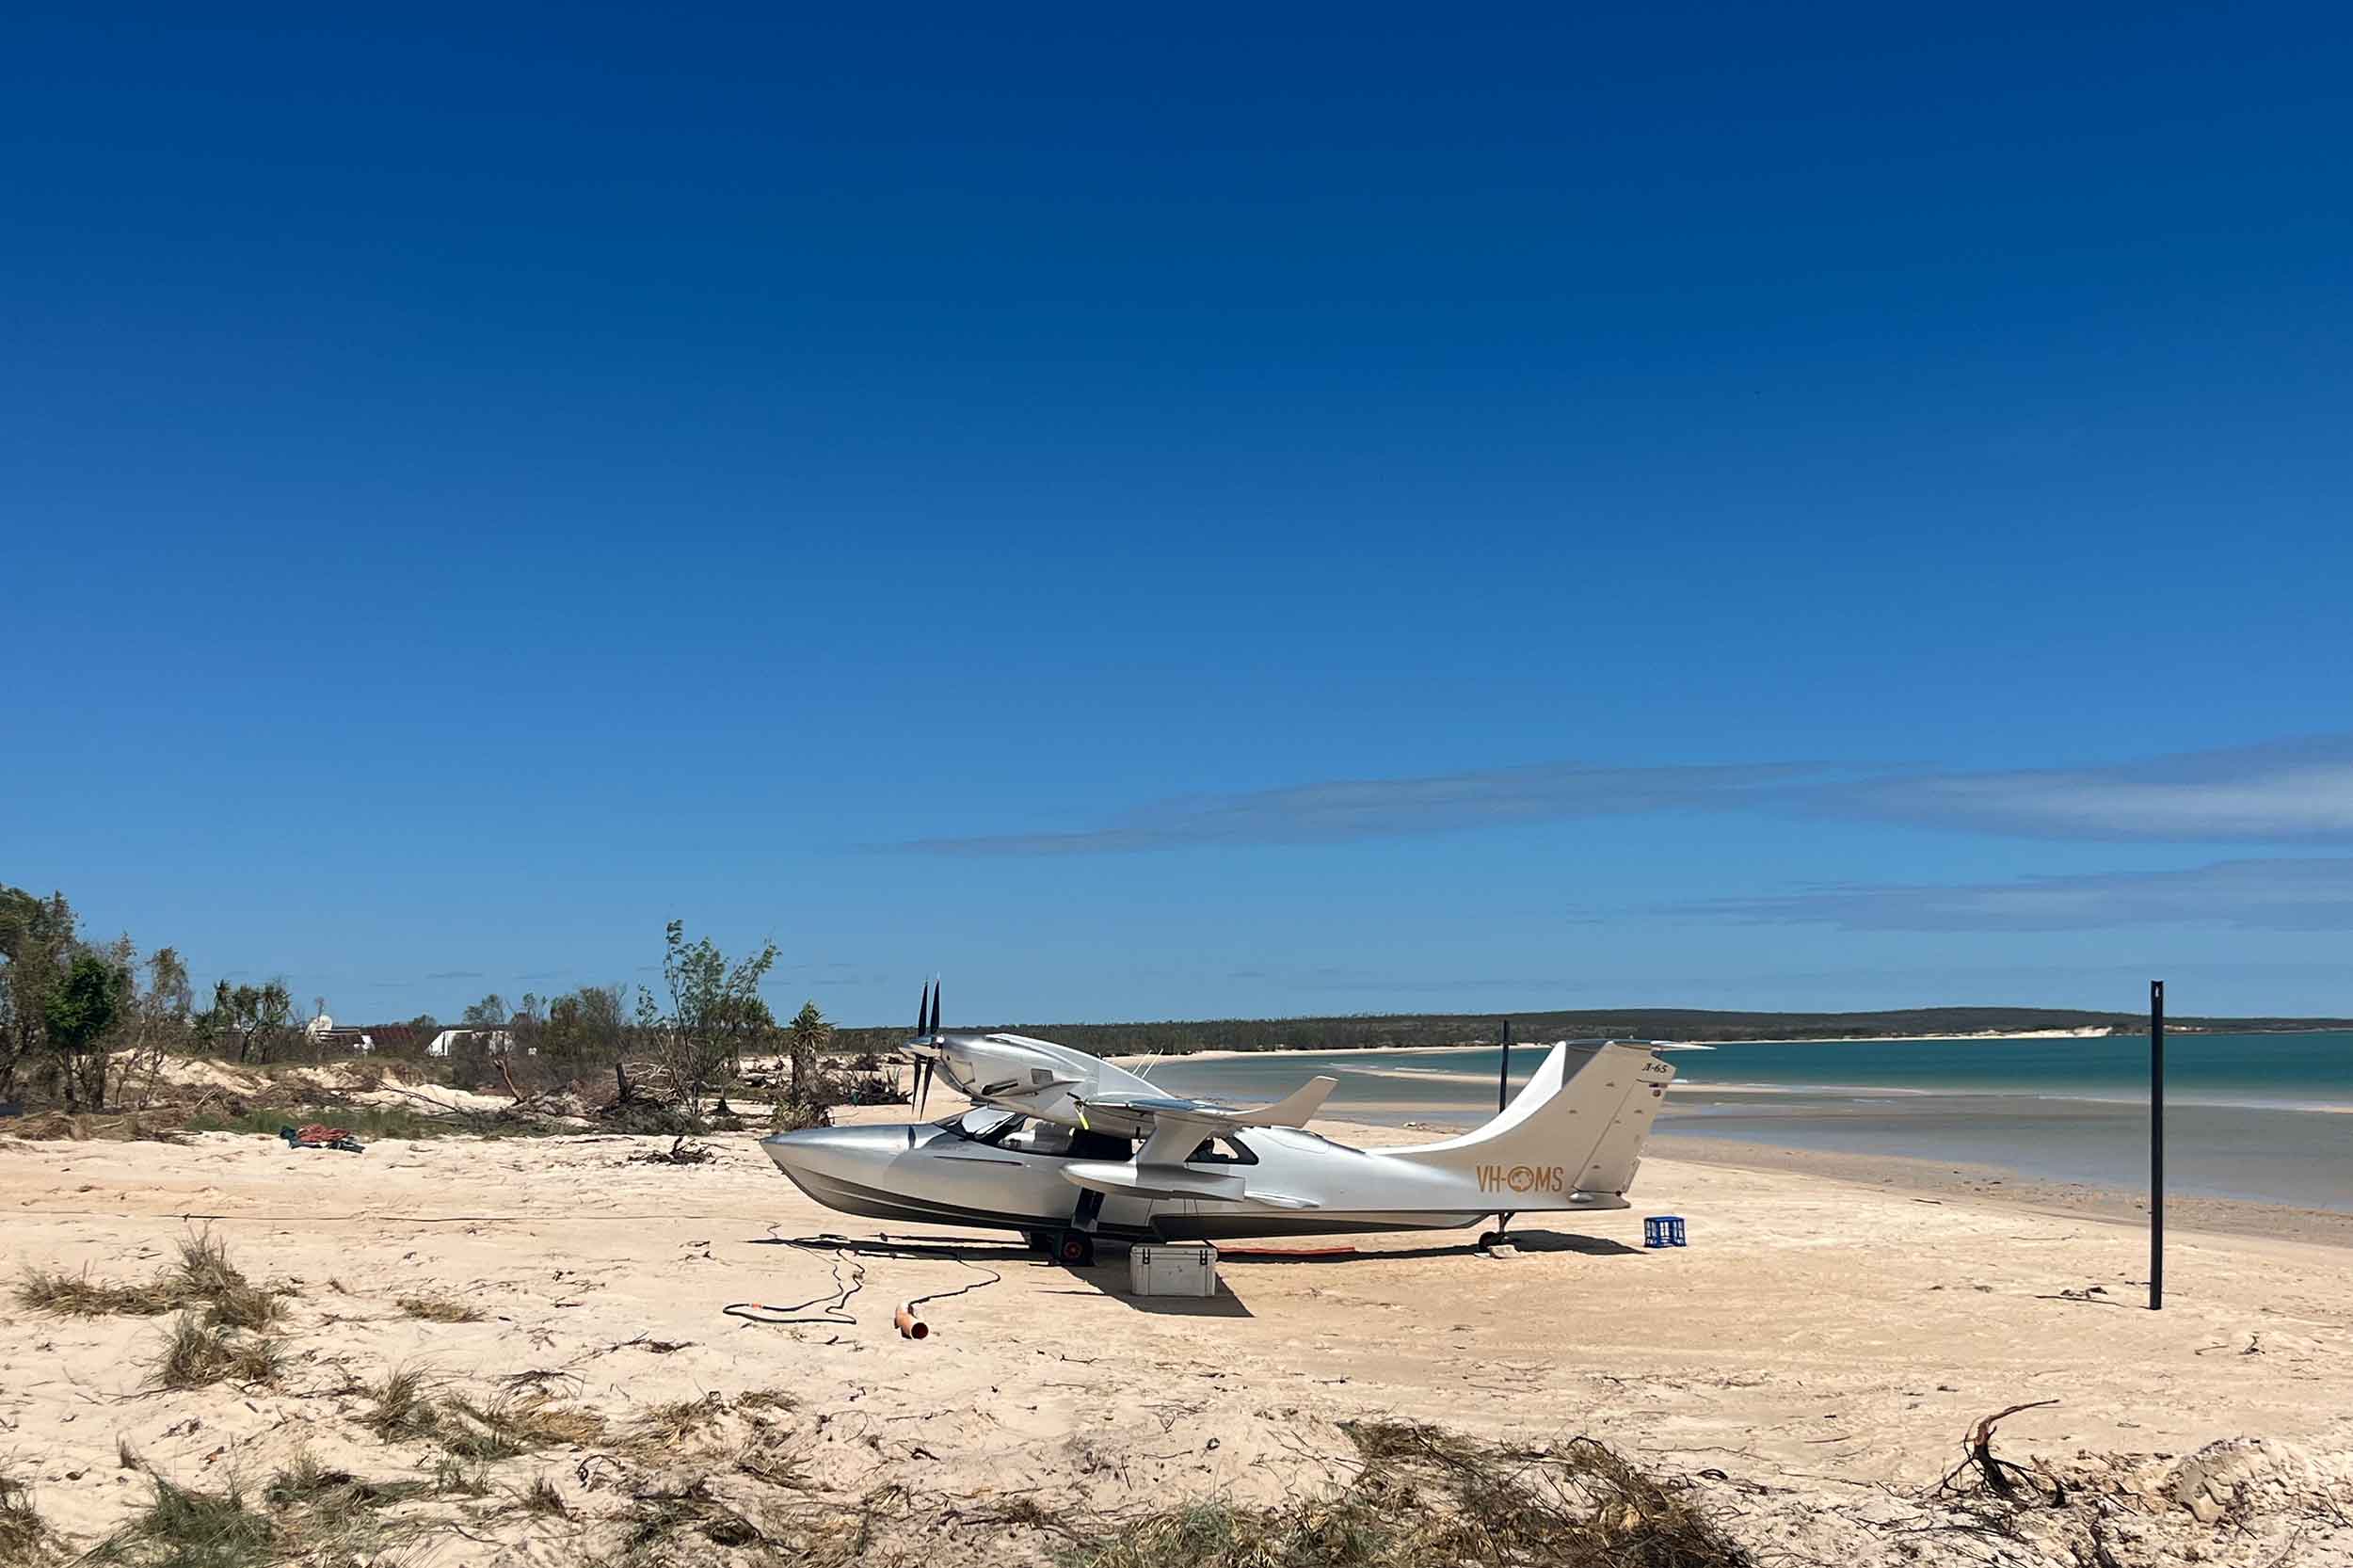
(1222, 1151)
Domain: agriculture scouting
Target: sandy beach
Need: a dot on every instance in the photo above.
(1826, 1337)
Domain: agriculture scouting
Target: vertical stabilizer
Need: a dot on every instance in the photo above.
(1578, 1126)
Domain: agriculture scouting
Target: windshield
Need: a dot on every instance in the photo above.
(982, 1123)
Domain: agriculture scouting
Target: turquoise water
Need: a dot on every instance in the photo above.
(2267, 1117)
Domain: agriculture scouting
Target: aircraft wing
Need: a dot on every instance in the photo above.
(1293, 1110)
(1177, 1127)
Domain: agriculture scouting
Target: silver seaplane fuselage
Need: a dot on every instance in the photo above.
(1064, 1145)
(943, 1174)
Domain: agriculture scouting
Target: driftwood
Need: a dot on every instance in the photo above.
(1997, 1472)
(680, 1153)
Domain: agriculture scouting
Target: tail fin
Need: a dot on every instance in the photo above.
(1584, 1115)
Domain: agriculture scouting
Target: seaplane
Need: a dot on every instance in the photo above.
(1069, 1150)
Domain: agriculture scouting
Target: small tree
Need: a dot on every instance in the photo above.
(77, 1015)
(249, 1014)
(741, 1022)
(156, 1019)
(709, 1009)
(490, 1013)
(36, 946)
(811, 1031)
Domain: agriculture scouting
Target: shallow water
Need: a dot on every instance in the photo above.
(2267, 1117)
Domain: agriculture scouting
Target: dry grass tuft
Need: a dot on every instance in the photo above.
(539, 1421)
(771, 1467)
(24, 1535)
(767, 1399)
(196, 1354)
(668, 1426)
(515, 1423)
(659, 1515)
(231, 1300)
(1426, 1495)
(80, 1296)
(202, 1277)
(161, 1126)
(187, 1529)
(437, 1309)
(306, 1484)
(451, 1478)
(402, 1407)
(543, 1497)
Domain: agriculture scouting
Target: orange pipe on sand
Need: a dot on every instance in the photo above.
(909, 1325)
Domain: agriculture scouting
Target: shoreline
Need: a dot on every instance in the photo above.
(1220, 1053)
(2009, 1188)
(1940, 1181)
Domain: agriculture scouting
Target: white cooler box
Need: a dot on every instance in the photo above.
(1158, 1268)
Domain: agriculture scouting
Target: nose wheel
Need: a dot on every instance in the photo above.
(1073, 1246)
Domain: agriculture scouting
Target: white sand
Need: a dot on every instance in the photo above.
(1820, 1337)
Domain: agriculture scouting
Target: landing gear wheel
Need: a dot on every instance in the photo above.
(1491, 1240)
(1074, 1249)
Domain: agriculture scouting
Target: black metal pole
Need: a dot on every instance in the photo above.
(1503, 1074)
(2156, 1146)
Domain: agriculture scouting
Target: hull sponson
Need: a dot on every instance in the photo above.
(849, 1197)
(852, 1198)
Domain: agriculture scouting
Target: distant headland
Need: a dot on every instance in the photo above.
(1363, 1031)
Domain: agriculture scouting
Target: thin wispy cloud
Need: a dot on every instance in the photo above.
(2315, 894)
(2293, 791)
(456, 974)
(2289, 792)
(1340, 810)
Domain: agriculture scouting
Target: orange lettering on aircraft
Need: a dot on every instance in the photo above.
(1522, 1179)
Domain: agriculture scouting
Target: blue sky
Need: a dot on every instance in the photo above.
(1356, 510)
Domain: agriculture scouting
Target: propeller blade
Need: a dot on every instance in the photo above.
(934, 1029)
(923, 1085)
(924, 1007)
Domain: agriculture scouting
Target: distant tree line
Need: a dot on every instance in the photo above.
(88, 1025)
(1365, 1031)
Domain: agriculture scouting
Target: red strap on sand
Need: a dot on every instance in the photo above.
(1287, 1252)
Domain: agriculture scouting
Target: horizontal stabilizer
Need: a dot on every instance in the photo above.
(1293, 1108)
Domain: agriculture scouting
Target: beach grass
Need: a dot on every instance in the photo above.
(437, 1309)
(1428, 1496)
(25, 1536)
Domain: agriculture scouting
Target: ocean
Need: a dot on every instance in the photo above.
(2264, 1117)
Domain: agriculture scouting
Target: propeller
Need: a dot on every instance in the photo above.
(926, 1031)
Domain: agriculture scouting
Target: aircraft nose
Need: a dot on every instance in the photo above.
(833, 1151)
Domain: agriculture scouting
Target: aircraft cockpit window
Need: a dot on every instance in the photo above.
(982, 1123)
(1222, 1151)
(1039, 1138)
(1018, 1134)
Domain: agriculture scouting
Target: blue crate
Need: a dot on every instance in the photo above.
(1663, 1230)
